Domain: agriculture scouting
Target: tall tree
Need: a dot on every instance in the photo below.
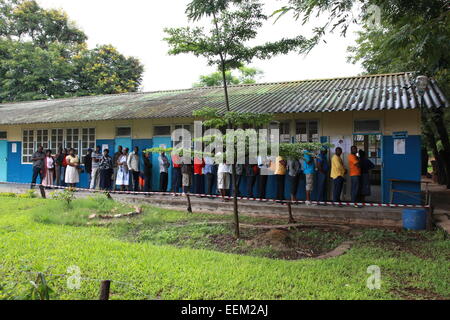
(398, 35)
(44, 55)
(233, 24)
(246, 75)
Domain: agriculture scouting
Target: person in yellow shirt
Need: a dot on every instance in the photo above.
(280, 173)
(338, 172)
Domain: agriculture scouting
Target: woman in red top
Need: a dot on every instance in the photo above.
(199, 164)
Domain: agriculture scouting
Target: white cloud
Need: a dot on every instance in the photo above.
(135, 27)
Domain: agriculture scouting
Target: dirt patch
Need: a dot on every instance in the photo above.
(292, 243)
(412, 293)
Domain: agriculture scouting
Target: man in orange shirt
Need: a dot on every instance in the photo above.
(355, 173)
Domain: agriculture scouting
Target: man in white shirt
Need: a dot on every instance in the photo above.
(223, 177)
(133, 166)
(95, 173)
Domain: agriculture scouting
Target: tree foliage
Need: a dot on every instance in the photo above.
(246, 75)
(44, 55)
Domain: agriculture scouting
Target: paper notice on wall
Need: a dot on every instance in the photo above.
(104, 146)
(162, 146)
(343, 142)
(14, 148)
(399, 146)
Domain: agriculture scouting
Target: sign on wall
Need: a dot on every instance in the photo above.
(399, 139)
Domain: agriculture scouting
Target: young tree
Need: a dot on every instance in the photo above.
(234, 23)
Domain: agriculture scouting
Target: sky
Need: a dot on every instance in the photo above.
(135, 28)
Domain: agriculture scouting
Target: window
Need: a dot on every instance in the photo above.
(87, 139)
(161, 130)
(123, 132)
(42, 139)
(57, 140)
(367, 126)
(79, 139)
(307, 131)
(183, 126)
(3, 135)
(27, 145)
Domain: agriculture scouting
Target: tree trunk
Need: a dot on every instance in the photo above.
(438, 120)
(235, 202)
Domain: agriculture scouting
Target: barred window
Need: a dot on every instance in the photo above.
(57, 140)
(363, 126)
(42, 139)
(72, 139)
(87, 139)
(161, 131)
(27, 145)
(307, 131)
(123, 132)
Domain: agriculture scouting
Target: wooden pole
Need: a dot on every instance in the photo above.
(189, 208)
(42, 189)
(104, 289)
(291, 218)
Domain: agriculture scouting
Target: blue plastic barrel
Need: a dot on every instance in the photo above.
(414, 219)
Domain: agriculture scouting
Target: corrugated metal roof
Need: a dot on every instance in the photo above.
(371, 92)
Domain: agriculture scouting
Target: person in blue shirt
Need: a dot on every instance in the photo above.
(308, 170)
(322, 175)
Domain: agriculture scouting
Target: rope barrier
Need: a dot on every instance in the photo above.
(284, 202)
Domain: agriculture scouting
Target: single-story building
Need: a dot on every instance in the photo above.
(378, 113)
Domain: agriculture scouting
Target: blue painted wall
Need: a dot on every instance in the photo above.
(405, 167)
(401, 166)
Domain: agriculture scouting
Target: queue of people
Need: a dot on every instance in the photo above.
(123, 171)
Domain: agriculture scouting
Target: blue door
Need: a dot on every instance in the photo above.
(160, 142)
(124, 142)
(3, 160)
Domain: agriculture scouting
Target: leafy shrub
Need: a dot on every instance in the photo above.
(8, 194)
(67, 196)
(29, 194)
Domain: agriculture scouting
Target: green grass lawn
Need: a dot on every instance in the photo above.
(174, 255)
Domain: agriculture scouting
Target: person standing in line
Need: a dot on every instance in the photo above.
(72, 176)
(95, 174)
(223, 178)
(280, 174)
(186, 176)
(176, 173)
(366, 166)
(163, 171)
(116, 167)
(293, 168)
(199, 164)
(87, 161)
(64, 167)
(308, 170)
(322, 175)
(147, 172)
(123, 174)
(252, 173)
(106, 170)
(210, 171)
(133, 166)
(49, 169)
(38, 165)
(338, 172)
(59, 157)
(264, 164)
(355, 174)
(239, 173)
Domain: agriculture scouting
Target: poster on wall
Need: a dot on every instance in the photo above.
(104, 146)
(399, 146)
(343, 142)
